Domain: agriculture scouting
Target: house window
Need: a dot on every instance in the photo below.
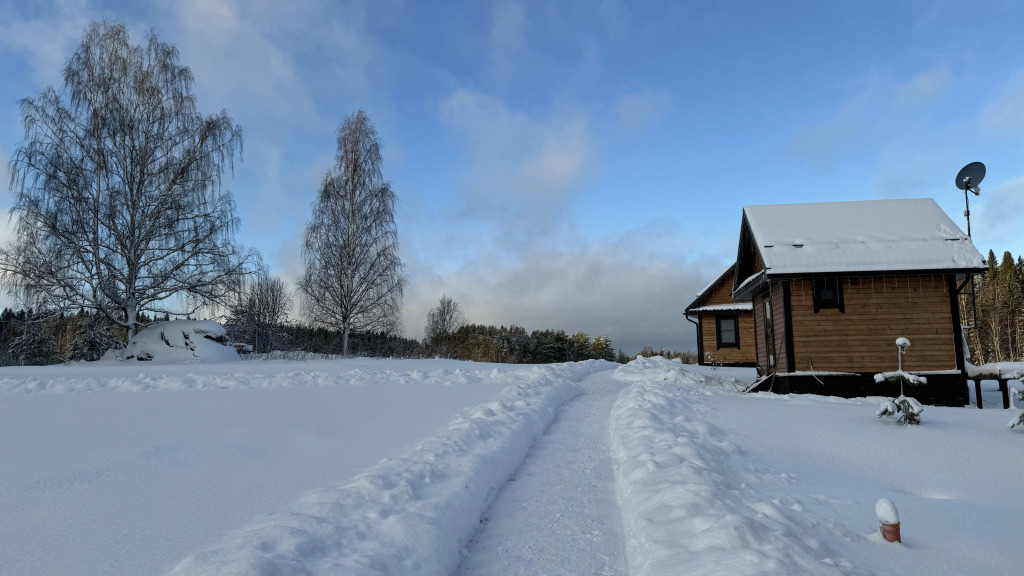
(728, 331)
(828, 293)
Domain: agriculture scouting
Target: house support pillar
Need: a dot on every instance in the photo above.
(1004, 389)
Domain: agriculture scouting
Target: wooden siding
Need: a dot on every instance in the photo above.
(779, 327)
(877, 311)
(722, 292)
(762, 353)
(729, 355)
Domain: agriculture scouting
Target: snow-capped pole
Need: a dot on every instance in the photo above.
(889, 518)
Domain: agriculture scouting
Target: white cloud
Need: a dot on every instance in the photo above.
(47, 40)
(925, 87)
(879, 110)
(1005, 112)
(507, 20)
(520, 169)
(632, 288)
(995, 217)
(236, 56)
(640, 110)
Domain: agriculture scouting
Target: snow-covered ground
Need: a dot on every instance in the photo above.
(432, 466)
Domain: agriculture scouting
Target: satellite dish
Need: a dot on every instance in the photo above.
(967, 179)
(970, 176)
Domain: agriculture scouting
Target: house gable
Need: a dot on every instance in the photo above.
(725, 331)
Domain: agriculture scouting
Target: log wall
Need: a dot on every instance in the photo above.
(744, 354)
(877, 311)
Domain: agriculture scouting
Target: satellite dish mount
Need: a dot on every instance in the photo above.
(967, 180)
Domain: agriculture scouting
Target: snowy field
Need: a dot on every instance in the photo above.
(440, 467)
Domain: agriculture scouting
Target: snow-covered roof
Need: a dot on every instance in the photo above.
(714, 282)
(739, 306)
(861, 236)
(709, 289)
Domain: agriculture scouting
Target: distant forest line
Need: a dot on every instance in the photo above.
(28, 338)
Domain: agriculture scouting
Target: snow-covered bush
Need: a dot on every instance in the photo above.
(907, 410)
(182, 341)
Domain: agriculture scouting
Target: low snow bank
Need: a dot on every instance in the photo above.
(126, 377)
(179, 341)
(408, 515)
(1008, 370)
(682, 506)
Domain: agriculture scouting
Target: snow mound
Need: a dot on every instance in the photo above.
(661, 369)
(408, 515)
(180, 341)
(682, 502)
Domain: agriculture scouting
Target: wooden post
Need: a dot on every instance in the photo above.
(1005, 389)
(977, 393)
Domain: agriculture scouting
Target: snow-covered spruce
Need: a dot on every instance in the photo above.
(906, 410)
(1018, 420)
(408, 515)
(683, 507)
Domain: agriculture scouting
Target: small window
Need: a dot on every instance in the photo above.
(828, 293)
(728, 334)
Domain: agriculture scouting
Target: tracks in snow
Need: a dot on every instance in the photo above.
(558, 513)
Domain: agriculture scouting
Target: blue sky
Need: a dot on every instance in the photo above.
(581, 165)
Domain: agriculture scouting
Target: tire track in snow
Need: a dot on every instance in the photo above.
(558, 513)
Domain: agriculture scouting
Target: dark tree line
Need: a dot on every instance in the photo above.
(514, 345)
(999, 297)
(30, 338)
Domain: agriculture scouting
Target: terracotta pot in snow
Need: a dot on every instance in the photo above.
(891, 532)
(889, 518)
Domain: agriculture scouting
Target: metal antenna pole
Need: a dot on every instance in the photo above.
(967, 201)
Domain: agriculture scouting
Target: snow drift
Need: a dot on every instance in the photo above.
(680, 504)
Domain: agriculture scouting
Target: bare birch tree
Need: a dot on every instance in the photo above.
(353, 279)
(258, 312)
(117, 187)
(442, 323)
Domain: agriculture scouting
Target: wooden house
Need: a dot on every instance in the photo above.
(834, 284)
(725, 328)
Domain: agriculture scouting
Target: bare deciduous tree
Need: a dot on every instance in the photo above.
(117, 187)
(442, 323)
(353, 278)
(258, 312)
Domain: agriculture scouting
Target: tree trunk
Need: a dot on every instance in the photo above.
(344, 339)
